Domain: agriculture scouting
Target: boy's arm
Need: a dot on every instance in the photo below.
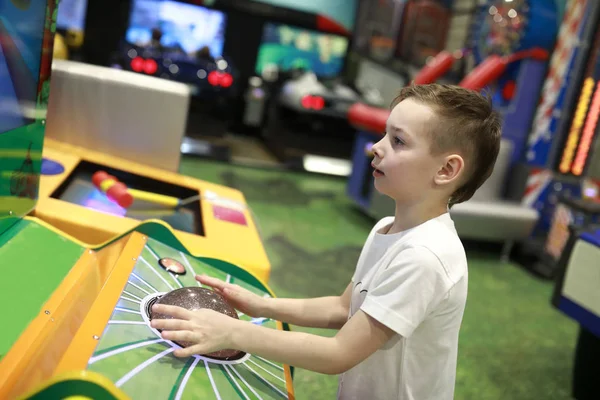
(209, 330)
(322, 312)
(360, 337)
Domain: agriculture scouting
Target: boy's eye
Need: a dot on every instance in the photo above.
(397, 140)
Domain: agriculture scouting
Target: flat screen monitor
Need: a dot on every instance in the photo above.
(79, 189)
(182, 28)
(341, 11)
(290, 47)
(21, 39)
(71, 15)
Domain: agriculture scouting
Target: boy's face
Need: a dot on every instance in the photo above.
(405, 169)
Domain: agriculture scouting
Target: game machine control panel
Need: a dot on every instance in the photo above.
(93, 335)
(78, 324)
(210, 220)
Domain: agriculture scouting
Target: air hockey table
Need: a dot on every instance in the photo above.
(92, 337)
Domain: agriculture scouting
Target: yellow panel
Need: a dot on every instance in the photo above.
(238, 244)
(27, 364)
(82, 345)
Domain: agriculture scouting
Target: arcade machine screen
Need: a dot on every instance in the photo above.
(21, 35)
(79, 189)
(341, 11)
(289, 47)
(71, 15)
(185, 29)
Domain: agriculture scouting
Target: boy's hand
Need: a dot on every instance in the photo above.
(241, 299)
(204, 330)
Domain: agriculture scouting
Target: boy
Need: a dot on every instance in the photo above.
(400, 316)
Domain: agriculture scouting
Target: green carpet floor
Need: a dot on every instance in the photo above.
(513, 344)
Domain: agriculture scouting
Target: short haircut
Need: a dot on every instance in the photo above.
(466, 123)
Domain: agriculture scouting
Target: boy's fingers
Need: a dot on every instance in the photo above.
(230, 293)
(214, 282)
(173, 311)
(170, 324)
(178, 336)
(189, 351)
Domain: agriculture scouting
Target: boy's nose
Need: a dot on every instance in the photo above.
(377, 149)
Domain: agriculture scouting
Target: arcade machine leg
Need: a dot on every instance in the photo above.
(585, 370)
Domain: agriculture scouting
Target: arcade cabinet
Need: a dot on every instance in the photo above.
(185, 42)
(297, 97)
(130, 126)
(78, 321)
(425, 25)
(511, 52)
(377, 27)
(307, 113)
(560, 170)
(181, 42)
(576, 295)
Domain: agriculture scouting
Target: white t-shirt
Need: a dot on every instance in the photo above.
(414, 282)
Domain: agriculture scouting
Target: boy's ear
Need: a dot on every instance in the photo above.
(451, 171)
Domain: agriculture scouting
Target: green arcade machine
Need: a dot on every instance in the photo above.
(76, 318)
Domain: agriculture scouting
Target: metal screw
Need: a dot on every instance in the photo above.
(10, 213)
(134, 259)
(96, 337)
(51, 319)
(47, 312)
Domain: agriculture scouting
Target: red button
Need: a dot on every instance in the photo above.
(229, 215)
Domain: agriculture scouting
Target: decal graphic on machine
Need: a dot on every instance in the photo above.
(25, 57)
(557, 83)
(541, 193)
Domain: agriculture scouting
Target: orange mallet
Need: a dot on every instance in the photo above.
(119, 193)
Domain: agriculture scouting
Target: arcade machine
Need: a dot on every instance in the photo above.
(561, 165)
(82, 330)
(307, 114)
(112, 132)
(425, 25)
(511, 52)
(377, 27)
(299, 84)
(184, 42)
(576, 295)
(178, 41)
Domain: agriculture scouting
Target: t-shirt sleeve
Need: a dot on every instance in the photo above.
(407, 290)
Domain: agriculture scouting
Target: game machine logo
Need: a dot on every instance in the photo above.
(26, 45)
